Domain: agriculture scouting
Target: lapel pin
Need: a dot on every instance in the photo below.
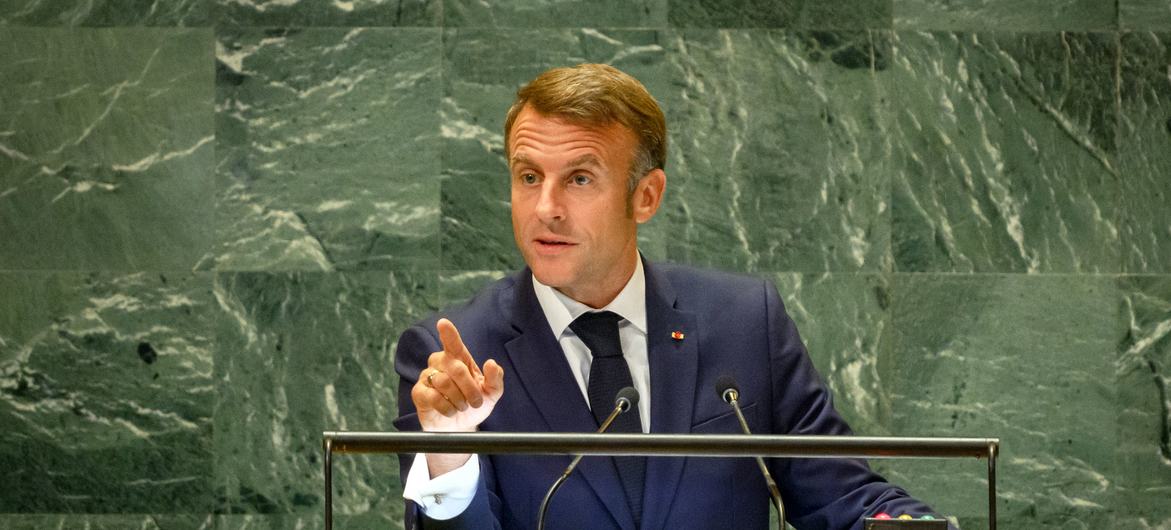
(677, 335)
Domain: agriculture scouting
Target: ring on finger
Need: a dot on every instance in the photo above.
(431, 377)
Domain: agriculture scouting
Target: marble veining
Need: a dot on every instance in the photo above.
(93, 173)
(1145, 152)
(327, 149)
(799, 14)
(1152, 15)
(189, 13)
(796, 155)
(1004, 364)
(556, 13)
(106, 392)
(1143, 372)
(327, 13)
(841, 318)
(1006, 15)
(1004, 152)
(298, 354)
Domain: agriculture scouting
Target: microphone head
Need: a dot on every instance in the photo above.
(727, 388)
(626, 399)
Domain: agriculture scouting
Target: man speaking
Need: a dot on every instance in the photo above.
(547, 348)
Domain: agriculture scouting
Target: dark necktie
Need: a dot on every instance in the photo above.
(609, 374)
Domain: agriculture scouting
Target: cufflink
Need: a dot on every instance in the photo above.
(438, 498)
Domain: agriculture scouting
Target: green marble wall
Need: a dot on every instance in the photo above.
(217, 215)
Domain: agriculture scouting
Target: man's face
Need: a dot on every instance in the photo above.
(572, 216)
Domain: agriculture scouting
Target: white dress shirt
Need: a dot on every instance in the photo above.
(448, 495)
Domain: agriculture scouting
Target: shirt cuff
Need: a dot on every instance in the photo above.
(446, 496)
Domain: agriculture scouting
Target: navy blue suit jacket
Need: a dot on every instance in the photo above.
(731, 325)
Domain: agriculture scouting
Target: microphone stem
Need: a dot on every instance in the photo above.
(552, 490)
(618, 409)
(768, 477)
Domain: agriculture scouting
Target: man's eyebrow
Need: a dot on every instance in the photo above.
(581, 161)
(585, 160)
(520, 158)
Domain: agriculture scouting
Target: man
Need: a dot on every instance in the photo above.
(544, 349)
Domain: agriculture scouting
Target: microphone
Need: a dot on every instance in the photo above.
(727, 388)
(626, 399)
(729, 391)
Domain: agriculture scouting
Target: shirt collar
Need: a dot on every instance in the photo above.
(561, 310)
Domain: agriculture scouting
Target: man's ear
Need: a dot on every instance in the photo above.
(648, 195)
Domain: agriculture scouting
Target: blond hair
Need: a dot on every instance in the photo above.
(597, 95)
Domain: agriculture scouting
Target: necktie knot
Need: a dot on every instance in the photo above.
(599, 332)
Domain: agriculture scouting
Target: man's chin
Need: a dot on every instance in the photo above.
(551, 276)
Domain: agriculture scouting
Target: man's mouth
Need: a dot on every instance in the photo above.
(553, 244)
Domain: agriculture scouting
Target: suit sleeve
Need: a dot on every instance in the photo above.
(414, 347)
(819, 493)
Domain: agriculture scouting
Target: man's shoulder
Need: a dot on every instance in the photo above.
(714, 293)
(688, 279)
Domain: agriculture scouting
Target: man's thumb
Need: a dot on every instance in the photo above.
(493, 379)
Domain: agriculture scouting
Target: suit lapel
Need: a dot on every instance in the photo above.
(674, 361)
(541, 369)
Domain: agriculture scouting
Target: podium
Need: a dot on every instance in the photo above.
(707, 445)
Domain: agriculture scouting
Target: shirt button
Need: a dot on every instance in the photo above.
(439, 499)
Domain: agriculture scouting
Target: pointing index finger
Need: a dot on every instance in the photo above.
(454, 345)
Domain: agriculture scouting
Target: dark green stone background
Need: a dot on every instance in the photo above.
(217, 215)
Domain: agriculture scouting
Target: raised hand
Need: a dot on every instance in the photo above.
(452, 393)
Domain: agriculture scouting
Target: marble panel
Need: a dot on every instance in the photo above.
(298, 354)
(841, 318)
(1143, 374)
(106, 394)
(801, 14)
(314, 521)
(1145, 151)
(332, 13)
(482, 71)
(327, 149)
(1005, 15)
(1154, 15)
(562, 13)
(1005, 152)
(778, 157)
(1027, 359)
(74, 13)
(105, 148)
(108, 522)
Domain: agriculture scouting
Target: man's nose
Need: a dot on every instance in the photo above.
(550, 202)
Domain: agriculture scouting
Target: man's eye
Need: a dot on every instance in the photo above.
(528, 178)
(581, 180)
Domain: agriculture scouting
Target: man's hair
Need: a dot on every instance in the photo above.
(597, 95)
